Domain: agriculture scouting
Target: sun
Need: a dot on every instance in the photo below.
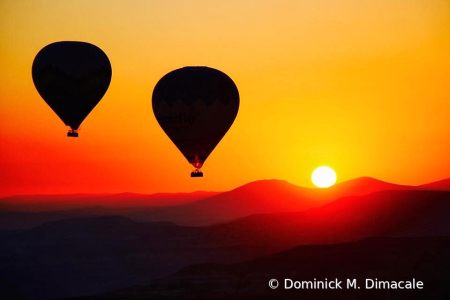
(323, 177)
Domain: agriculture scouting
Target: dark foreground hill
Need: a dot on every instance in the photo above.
(423, 259)
(93, 255)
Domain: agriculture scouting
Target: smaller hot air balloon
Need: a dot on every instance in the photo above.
(195, 106)
(71, 77)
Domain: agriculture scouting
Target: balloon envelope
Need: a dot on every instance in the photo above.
(72, 78)
(195, 106)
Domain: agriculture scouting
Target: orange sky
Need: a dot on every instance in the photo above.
(361, 86)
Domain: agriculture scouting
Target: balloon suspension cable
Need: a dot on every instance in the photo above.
(197, 173)
(72, 133)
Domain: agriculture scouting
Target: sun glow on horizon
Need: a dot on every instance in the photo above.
(323, 177)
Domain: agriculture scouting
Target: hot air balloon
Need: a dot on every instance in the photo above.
(72, 78)
(195, 106)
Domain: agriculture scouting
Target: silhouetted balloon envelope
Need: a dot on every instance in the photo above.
(195, 107)
(72, 78)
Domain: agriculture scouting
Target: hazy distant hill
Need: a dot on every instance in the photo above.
(43, 203)
(190, 209)
(198, 208)
(28, 220)
(443, 185)
(86, 256)
(425, 259)
(265, 196)
(25, 212)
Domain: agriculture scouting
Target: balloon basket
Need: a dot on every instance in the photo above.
(72, 134)
(197, 173)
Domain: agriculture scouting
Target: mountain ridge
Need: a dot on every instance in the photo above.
(197, 208)
(265, 196)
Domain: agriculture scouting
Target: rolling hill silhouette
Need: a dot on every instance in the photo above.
(265, 196)
(443, 185)
(198, 208)
(93, 255)
(45, 203)
(25, 212)
(189, 209)
(28, 220)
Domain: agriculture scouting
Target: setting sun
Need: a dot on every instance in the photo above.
(323, 177)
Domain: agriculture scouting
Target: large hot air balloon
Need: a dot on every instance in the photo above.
(195, 107)
(72, 78)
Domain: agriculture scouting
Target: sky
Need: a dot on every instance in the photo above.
(361, 86)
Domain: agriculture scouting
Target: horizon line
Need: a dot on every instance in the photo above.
(100, 194)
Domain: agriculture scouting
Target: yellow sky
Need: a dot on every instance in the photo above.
(361, 86)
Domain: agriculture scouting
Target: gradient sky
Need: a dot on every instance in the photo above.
(360, 86)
